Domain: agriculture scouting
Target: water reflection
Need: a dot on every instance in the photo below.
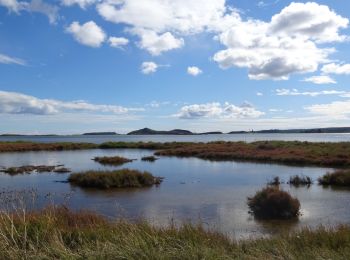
(193, 190)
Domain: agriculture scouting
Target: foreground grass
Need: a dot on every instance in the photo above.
(285, 152)
(337, 178)
(58, 233)
(124, 178)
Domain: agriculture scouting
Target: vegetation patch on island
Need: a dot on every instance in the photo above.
(297, 180)
(337, 178)
(60, 233)
(284, 152)
(27, 169)
(124, 178)
(149, 158)
(114, 160)
(273, 203)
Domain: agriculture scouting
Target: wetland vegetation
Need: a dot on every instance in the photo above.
(124, 178)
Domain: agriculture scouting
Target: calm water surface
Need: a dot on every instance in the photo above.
(183, 138)
(194, 190)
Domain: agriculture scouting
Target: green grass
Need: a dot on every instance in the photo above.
(59, 233)
(115, 160)
(337, 178)
(149, 158)
(124, 178)
(274, 203)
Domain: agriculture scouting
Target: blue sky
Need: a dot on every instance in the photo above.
(72, 66)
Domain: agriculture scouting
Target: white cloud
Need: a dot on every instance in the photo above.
(11, 60)
(17, 103)
(194, 71)
(332, 68)
(295, 92)
(259, 94)
(13, 5)
(336, 109)
(323, 79)
(310, 20)
(89, 33)
(285, 45)
(218, 110)
(149, 67)
(39, 6)
(82, 3)
(117, 42)
(156, 43)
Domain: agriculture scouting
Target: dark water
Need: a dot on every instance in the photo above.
(194, 190)
(183, 138)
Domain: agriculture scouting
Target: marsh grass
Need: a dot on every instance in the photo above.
(297, 180)
(275, 181)
(60, 233)
(284, 152)
(337, 178)
(273, 203)
(114, 160)
(124, 178)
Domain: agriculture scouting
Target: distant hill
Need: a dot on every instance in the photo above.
(101, 133)
(298, 131)
(148, 131)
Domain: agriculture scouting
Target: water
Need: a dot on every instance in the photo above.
(314, 137)
(213, 193)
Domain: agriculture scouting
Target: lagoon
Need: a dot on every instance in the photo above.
(213, 193)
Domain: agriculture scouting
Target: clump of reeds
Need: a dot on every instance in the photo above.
(275, 181)
(337, 178)
(124, 178)
(114, 160)
(297, 180)
(274, 203)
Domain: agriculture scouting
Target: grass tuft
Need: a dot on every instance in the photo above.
(115, 160)
(338, 178)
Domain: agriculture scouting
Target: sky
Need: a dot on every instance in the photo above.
(75, 66)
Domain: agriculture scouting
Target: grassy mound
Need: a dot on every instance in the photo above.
(149, 158)
(115, 160)
(338, 178)
(297, 180)
(59, 233)
(114, 179)
(273, 203)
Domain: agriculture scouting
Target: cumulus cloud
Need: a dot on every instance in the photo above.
(323, 79)
(295, 92)
(259, 94)
(340, 69)
(13, 5)
(89, 33)
(11, 60)
(82, 3)
(218, 110)
(118, 42)
(17, 103)
(149, 67)
(156, 43)
(287, 44)
(194, 71)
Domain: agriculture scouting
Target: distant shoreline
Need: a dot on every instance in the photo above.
(148, 131)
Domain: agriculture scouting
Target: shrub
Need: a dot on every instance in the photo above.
(115, 160)
(338, 178)
(114, 179)
(273, 203)
(297, 180)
